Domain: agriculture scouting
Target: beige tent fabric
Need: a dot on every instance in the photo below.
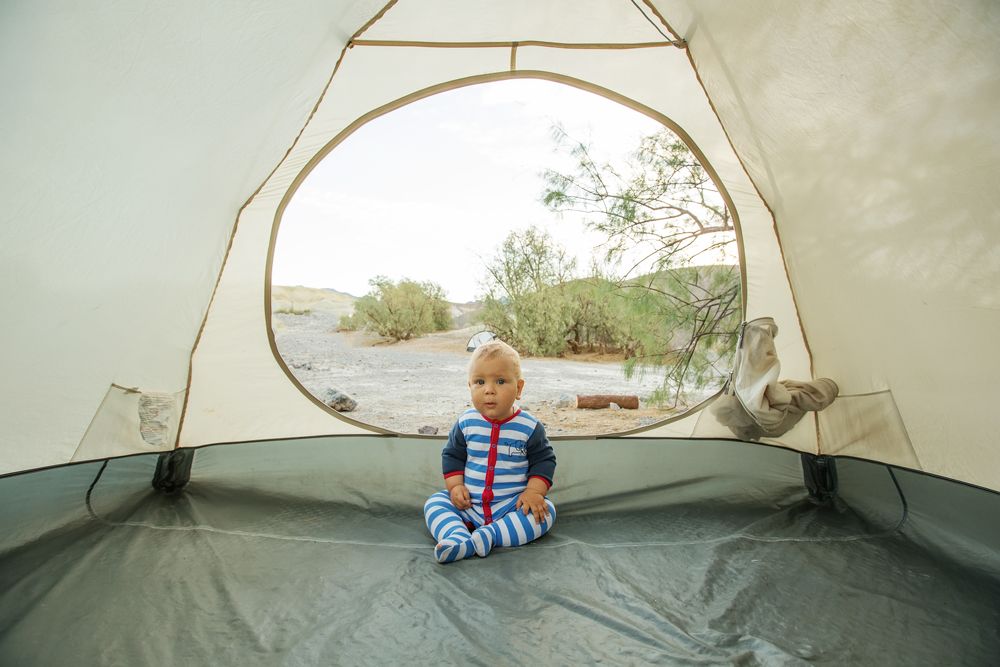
(132, 134)
(870, 130)
(131, 421)
(756, 403)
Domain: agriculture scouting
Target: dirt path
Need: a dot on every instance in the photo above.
(407, 385)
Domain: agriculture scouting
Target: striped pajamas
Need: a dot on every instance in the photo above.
(496, 460)
(455, 541)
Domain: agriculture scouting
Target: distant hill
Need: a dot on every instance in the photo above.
(710, 277)
(298, 298)
(465, 314)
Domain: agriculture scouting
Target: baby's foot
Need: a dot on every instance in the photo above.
(451, 549)
(483, 540)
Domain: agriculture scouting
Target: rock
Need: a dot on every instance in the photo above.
(427, 430)
(339, 401)
(566, 401)
(614, 406)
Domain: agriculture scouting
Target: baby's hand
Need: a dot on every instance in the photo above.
(460, 497)
(532, 502)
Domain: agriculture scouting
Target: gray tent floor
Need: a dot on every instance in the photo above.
(736, 569)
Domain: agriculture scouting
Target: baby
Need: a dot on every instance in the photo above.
(498, 466)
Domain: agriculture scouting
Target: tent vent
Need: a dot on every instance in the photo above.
(131, 421)
(156, 416)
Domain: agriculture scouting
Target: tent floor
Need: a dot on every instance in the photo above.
(254, 565)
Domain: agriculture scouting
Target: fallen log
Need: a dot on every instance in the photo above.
(598, 401)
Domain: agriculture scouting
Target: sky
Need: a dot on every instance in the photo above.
(429, 191)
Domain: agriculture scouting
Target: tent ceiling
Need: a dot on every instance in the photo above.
(586, 21)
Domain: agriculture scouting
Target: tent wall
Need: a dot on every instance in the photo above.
(870, 129)
(132, 134)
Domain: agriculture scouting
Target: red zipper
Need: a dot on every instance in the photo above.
(491, 462)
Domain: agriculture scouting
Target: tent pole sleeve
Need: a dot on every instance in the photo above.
(820, 476)
(173, 470)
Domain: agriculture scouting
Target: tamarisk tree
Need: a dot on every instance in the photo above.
(525, 300)
(669, 234)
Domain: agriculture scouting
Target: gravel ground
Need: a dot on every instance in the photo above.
(407, 385)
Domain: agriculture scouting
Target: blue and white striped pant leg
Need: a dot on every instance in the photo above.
(512, 530)
(447, 525)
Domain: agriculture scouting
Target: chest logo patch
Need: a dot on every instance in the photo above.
(513, 447)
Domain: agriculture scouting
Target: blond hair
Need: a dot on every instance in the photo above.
(497, 348)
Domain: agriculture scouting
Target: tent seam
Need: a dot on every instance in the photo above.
(609, 46)
(236, 222)
(666, 24)
(774, 228)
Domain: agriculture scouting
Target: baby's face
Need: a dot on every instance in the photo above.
(494, 386)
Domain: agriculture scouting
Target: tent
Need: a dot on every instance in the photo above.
(149, 151)
(478, 339)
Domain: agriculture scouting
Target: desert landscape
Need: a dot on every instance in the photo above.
(419, 384)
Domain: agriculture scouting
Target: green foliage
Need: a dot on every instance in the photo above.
(689, 318)
(678, 321)
(527, 261)
(400, 311)
(662, 206)
(351, 322)
(525, 302)
(661, 212)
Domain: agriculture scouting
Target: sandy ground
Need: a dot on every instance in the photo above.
(407, 385)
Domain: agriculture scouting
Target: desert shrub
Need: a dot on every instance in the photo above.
(400, 310)
(525, 301)
(544, 317)
(292, 310)
(352, 322)
(599, 316)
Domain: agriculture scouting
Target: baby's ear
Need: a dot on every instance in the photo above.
(520, 388)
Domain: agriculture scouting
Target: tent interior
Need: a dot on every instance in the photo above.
(150, 152)
(692, 552)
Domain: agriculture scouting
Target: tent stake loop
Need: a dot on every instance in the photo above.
(820, 476)
(173, 470)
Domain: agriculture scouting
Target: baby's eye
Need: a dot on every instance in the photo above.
(501, 381)
(480, 381)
